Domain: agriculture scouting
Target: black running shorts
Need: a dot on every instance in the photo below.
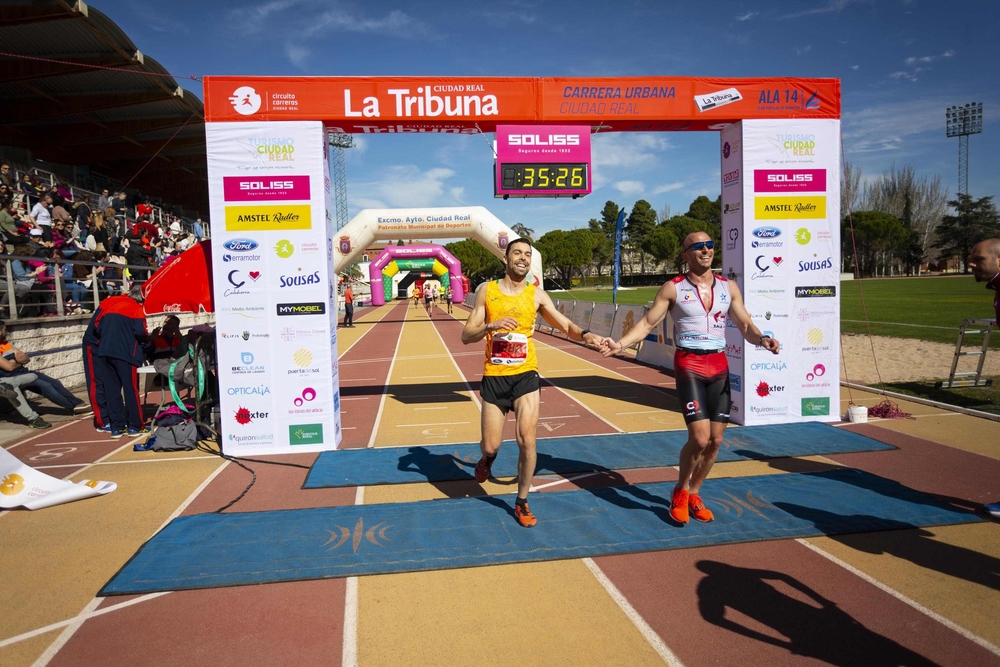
(503, 390)
(703, 386)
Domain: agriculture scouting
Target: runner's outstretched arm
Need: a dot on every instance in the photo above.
(662, 304)
(741, 318)
(552, 315)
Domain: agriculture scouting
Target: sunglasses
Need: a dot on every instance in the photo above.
(701, 244)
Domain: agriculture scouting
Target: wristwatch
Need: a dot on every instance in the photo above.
(584, 332)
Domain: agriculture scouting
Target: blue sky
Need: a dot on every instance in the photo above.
(901, 63)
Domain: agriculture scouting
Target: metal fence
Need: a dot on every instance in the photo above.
(22, 299)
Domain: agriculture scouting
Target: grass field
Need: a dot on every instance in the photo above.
(927, 308)
(986, 399)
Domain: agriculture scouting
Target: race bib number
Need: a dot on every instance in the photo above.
(508, 349)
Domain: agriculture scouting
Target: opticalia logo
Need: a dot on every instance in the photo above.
(258, 390)
(764, 389)
(793, 144)
(734, 351)
(790, 208)
(245, 416)
(731, 178)
(299, 281)
(312, 308)
(268, 218)
(305, 434)
(539, 140)
(245, 100)
(817, 406)
(265, 188)
(819, 291)
(816, 265)
(789, 180)
(768, 366)
(735, 383)
(240, 245)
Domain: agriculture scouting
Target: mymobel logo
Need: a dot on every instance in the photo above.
(314, 308)
(268, 218)
(245, 100)
(789, 208)
(265, 188)
(818, 291)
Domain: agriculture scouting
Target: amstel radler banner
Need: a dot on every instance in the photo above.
(781, 243)
(275, 314)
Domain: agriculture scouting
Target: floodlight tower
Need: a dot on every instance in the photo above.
(961, 121)
(338, 165)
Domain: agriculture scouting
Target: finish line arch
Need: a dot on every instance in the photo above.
(460, 222)
(426, 257)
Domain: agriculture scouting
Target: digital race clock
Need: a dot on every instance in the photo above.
(542, 161)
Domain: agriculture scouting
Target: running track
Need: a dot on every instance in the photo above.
(907, 597)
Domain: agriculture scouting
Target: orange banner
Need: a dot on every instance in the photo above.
(460, 104)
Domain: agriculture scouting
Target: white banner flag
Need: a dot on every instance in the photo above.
(23, 486)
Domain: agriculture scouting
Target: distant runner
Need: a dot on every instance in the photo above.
(450, 296)
(429, 299)
(703, 300)
(504, 314)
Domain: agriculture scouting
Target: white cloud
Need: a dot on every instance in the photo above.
(855, 67)
(879, 129)
(826, 8)
(629, 188)
(405, 186)
(913, 60)
(297, 54)
(804, 49)
(747, 16)
(668, 187)
(909, 75)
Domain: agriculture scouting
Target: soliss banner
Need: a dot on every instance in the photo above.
(275, 312)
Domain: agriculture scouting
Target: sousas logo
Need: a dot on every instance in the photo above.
(299, 281)
(816, 265)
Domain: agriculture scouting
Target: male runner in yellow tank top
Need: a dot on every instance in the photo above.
(504, 314)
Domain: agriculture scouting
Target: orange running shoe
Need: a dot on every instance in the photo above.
(524, 515)
(483, 469)
(698, 509)
(679, 506)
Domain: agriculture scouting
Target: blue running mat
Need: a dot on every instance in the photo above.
(214, 550)
(588, 453)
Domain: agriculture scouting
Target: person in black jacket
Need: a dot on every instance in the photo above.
(120, 330)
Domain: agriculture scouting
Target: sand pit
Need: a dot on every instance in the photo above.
(906, 359)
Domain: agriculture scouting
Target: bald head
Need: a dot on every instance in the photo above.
(984, 259)
(694, 237)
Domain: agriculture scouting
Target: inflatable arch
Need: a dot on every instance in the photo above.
(430, 257)
(391, 224)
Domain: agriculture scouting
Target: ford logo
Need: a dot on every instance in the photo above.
(767, 232)
(240, 245)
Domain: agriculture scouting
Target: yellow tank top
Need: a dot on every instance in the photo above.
(510, 352)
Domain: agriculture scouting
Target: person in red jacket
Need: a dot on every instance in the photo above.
(120, 329)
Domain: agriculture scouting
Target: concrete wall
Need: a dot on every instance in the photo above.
(54, 344)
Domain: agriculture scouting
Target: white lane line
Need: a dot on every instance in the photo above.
(89, 610)
(349, 654)
(441, 408)
(355, 398)
(599, 367)
(639, 412)
(83, 616)
(72, 442)
(458, 370)
(638, 621)
(951, 625)
(564, 480)
(363, 334)
(381, 409)
(424, 377)
(358, 380)
(584, 406)
(114, 463)
(433, 424)
(43, 433)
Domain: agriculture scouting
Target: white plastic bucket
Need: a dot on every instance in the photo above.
(857, 414)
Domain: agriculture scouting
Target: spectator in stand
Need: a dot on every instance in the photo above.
(183, 242)
(27, 272)
(83, 275)
(28, 187)
(103, 201)
(144, 209)
(199, 231)
(38, 382)
(175, 228)
(5, 175)
(138, 254)
(60, 214)
(9, 218)
(42, 213)
(84, 217)
(20, 288)
(118, 204)
(99, 234)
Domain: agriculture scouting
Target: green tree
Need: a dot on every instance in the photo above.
(974, 220)
(523, 232)
(400, 242)
(679, 227)
(609, 218)
(664, 245)
(604, 250)
(639, 225)
(565, 251)
(878, 237)
(911, 251)
(705, 209)
(478, 263)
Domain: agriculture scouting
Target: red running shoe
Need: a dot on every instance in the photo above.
(698, 509)
(524, 515)
(679, 506)
(483, 469)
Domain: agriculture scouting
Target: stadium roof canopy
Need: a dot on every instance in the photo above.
(113, 120)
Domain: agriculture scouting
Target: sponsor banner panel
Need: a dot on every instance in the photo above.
(735, 239)
(602, 319)
(792, 187)
(625, 318)
(277, 333)
(582, 312)
(658, 348)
